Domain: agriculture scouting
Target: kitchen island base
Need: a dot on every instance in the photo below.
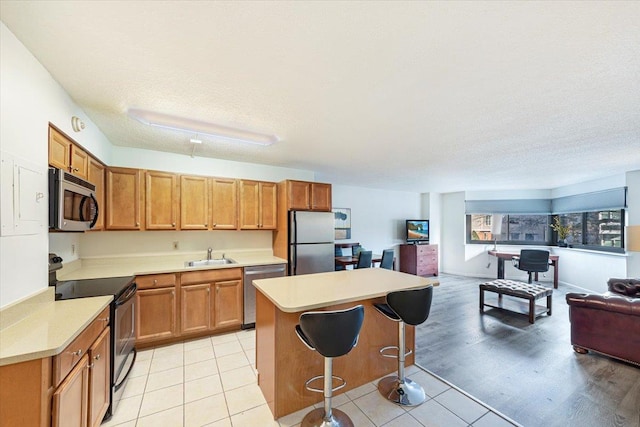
(284, 363)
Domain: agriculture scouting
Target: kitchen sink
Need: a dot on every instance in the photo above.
(206, 262)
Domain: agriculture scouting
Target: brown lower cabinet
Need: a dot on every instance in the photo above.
(82, 398)
(70, 389)
(157, 303)
(172, 306)
(211, 299)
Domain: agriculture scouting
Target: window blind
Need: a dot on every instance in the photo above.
(516, 206)
(614, 198)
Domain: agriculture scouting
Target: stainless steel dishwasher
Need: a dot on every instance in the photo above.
(255, 273)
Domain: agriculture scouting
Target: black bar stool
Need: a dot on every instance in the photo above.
(332, 334)
(405, 307)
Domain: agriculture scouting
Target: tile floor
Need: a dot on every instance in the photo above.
(211, 382)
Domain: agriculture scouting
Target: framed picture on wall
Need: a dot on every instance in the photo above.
(342, 223)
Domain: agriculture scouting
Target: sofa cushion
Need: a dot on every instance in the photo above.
(628, 287)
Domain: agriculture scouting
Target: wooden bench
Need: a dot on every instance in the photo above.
(518, 290)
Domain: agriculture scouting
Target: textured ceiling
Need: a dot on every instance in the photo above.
(415, 96)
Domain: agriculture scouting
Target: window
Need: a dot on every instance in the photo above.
(516, 229)
(600, 230)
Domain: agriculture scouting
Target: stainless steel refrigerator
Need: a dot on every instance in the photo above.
(311, 247)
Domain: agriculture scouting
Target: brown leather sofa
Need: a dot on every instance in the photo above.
(608, 323)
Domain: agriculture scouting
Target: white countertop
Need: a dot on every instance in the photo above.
(48, 328)
(93, 268)
(310, 291)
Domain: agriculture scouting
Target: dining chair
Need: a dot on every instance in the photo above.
(337, 253)
(387, 259)
(364, 259)
(355, 250)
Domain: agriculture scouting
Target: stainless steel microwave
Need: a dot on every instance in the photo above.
(72, 202)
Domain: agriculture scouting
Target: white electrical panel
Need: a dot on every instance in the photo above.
(23, 197)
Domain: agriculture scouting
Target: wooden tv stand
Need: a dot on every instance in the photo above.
(421, 260)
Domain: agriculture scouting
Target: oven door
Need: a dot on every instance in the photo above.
(124, 341)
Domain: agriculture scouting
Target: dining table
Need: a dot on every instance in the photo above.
(353, 260)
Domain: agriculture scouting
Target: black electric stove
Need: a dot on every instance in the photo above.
(122, 314)
(71, 289)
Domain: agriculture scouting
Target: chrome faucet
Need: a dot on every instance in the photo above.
(222, 255)
(209, 254)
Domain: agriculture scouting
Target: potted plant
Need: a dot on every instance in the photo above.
(562, 230)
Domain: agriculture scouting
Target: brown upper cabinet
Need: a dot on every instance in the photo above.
(224, 201)
(124, 199)
(258, 205)
(194, 202)
(161, 200)
(96, 177)
(66, 155)
(313, 196)
(208, 203)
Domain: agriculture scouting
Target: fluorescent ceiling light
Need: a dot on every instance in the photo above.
(195, 141)
(199, 127)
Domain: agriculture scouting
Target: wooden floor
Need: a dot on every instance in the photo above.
(529, 373)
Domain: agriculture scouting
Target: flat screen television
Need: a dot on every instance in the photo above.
(417, 231)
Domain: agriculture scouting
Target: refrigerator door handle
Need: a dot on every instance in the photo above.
(294, 253)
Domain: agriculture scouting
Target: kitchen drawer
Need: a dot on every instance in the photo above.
(153, 281)
(64, 362)
(205, 276)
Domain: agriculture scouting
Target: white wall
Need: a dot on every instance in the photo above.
(123, 243)
(31, 99)
(177, 163)
(377, 216)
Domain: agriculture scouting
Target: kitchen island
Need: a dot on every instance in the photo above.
(284, 363)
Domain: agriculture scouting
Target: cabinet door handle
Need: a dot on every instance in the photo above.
(137, 224)
(215, 224)
(173, 224)
(206, 225)
(77, 352)
(155, 282)
(76, 169)
(97, 357)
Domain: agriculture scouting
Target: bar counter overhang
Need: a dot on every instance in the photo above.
(284, 363)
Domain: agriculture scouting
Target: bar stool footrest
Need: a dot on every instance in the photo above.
(321, 390)
(404, 393)
(392, 347)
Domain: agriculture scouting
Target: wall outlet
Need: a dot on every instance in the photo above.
(175, 245)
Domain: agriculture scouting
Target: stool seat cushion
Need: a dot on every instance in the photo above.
(412, 306)
(331, 333)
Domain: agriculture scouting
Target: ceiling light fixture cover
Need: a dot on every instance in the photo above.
(201, 128)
